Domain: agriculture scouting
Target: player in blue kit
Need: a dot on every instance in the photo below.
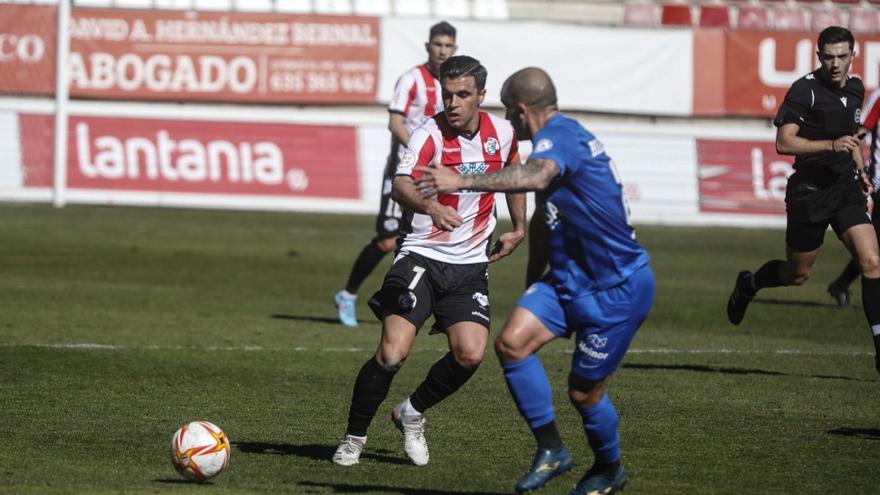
(599, 286)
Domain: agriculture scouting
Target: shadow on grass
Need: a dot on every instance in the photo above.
(731, 371)
(341, 488)
(313, 451)
(808, 304)
(316, 319)
(867, 433)
(179, 481)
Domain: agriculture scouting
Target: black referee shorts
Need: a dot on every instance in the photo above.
(416, 287)
(810, 209)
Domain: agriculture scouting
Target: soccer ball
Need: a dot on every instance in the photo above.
(199, 450)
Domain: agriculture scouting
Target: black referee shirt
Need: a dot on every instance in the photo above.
(823, 110)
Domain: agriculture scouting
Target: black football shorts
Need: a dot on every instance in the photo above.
(416, 287)
(810, 209)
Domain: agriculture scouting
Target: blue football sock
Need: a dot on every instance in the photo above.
(530, 388)
(600, 424)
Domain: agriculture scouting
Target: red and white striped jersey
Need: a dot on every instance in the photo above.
(416, 96)
(870, 118)
(436, 143)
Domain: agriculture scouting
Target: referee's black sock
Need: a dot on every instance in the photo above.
(370, 389)
(848, 275)
(365, 263)
(769, 275)
(445, 377)
(871, 305)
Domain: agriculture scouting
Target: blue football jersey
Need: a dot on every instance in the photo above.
(592, 245)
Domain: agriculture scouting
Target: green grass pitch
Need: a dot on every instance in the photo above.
(118, 325)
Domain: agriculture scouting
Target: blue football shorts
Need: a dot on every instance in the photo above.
(604, 322)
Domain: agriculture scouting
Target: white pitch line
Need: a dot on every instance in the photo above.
(256, 348)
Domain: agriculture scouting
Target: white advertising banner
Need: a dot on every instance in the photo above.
(637, 71)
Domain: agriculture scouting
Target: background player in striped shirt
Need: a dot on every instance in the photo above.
(599, 285)
(441, 268)
(870, 120)
(416, 97)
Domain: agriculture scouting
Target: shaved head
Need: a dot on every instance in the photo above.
(530, 86)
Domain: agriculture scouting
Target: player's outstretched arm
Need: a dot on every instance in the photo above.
(404, 192)
(534, 175)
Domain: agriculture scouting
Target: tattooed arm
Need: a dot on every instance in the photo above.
(534, 175)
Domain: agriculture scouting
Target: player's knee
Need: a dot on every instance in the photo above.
(390, 359)
(870, 265)
(581, 399)
(583, 392)
(469, 358)
(387, 244)
(507, 350)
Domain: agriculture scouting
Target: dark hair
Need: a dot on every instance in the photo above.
(442, 28)
(835, 34)
(462, 65)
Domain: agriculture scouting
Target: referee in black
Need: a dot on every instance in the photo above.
(818, 123)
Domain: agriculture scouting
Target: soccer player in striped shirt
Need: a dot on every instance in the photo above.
(870, 123)
(416, 97)
(441, 267)
(599, 286)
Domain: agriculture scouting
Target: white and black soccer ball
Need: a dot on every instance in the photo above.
(199, 450)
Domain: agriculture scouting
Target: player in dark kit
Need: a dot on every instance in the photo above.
(839, 287)
(818, 123)
(416, 97)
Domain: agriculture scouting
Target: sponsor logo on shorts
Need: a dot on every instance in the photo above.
(482, 299)
(592, 353)
(532, 288)
(407, 301)
(597, 341)
(491, 146)
(390, 224)
(588, 365)
(481, 315)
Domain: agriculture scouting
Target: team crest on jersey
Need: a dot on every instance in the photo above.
(491, 146)
(543, 145)
(408, 160)
(482, 299)
(472, 168)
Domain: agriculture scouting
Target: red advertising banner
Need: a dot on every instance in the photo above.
(223, 56)
(760, 67)
(200, 157)
(742, 177)
(27, 49)
(184, 56)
